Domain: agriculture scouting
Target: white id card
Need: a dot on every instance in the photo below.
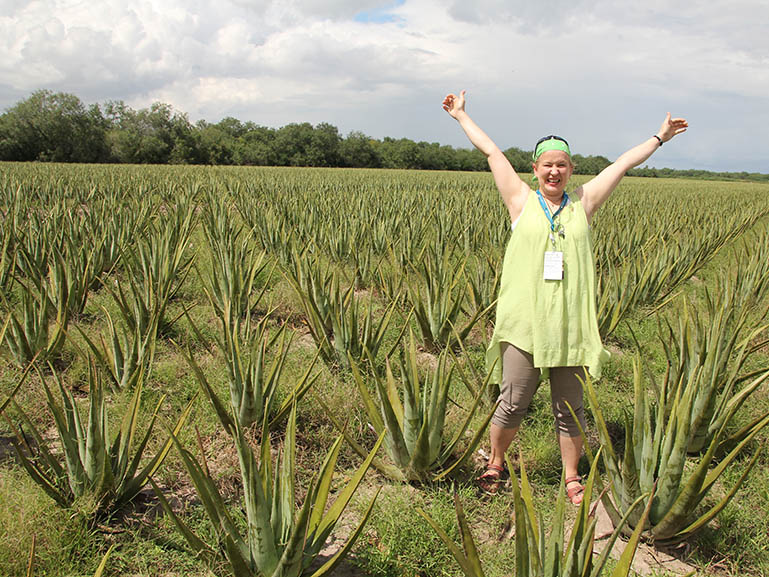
(553, 265)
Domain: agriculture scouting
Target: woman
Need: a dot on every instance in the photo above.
(546, 321)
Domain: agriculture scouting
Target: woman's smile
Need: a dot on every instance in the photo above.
(553, 170)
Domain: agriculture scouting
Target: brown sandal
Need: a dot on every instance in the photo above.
(491, 478)
(577, 492)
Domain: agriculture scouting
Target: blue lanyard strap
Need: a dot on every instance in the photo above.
(552, 217)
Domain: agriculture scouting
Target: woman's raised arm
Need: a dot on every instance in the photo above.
(512, 189)
(595, 192)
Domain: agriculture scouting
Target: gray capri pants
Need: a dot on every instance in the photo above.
(520, 380)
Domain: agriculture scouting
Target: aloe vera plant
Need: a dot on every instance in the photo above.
(335, 320)
(708, 359)
(107, 473)
(538, 555)
(129, 347)
(279, 539)
(141, 298)
(7, 247)
(230, 287)
(38, 330)
(415, 440)
(751, 273)
(253, 381)
(159, 263)
(156, 268)
(126, 354)
(438, 299)
(656, 443)
(231, 282)
(483, 283)
(75, 267)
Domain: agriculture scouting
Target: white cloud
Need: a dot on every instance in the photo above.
(605, 71)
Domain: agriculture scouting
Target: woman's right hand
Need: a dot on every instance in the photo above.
(454, 104)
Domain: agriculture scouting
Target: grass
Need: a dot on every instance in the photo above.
(64, 543)
(397, 542)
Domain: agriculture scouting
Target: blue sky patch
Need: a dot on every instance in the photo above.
(379, 15)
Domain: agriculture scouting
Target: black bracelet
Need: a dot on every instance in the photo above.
(658, 138)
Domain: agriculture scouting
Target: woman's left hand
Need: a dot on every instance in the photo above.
(672, 126)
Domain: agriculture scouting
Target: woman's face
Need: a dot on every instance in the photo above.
(553, 170)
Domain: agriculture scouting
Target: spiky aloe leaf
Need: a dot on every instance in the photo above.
(368, 404)
(322, 485)
(290, 563)
(295, 395)
(436, 409)
(626, 559)
(216, 509)
(131, 483)
(388, 470)
(631, 488)
(532, 540)
(260, 543)
(468, 558)
(71, 434)
(43, 468)
(23, 377)
(390, 406)
(471, 446)
(697, 486)
(610, 459)
(687, 532)
(736, 401)
(331, 564)
(414, 409)
(578, 555)
(219, 407)
(103, 564)
(283, 493)
(671, 470)
(97, 463)
(331, 517)
(523, 557)
(199, 546)
(121, 446)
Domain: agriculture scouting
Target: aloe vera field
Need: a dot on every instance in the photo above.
(280, 371)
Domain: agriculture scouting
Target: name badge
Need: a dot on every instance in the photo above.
(553, 265)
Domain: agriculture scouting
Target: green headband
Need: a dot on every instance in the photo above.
(551, 144)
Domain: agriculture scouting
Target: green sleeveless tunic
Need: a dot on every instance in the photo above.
(553, 320)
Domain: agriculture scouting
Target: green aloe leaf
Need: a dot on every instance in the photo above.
(468, 558)
(332, 563)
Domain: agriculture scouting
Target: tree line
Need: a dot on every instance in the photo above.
(59, 127)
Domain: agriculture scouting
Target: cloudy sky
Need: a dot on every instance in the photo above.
(601, 73)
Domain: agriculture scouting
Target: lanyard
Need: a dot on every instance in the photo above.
(552, 217)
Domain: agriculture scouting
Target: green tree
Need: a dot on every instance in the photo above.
(401, 153)
(324, 146)
(359, 151)
(519, 159)
(589, 164)
(291, 144)
(54, 127)
(471, 159)
(155, 135)
(216, 143)
(255, 146)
